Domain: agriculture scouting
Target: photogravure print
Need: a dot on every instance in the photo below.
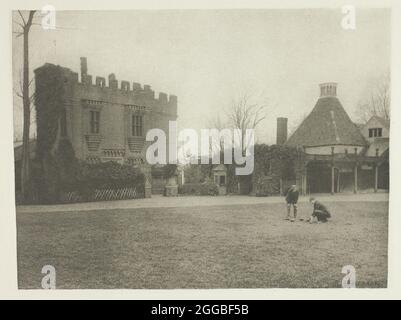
(266, 165)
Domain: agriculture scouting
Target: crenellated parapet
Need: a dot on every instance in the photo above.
(111, 87)
(123, 87)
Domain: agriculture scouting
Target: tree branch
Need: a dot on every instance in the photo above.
(22, 18)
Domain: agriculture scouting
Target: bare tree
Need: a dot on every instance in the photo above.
(25, 24)
(244, 114)
(216, 122)
(377, 101)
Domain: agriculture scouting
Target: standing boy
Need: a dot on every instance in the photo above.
(291, 197)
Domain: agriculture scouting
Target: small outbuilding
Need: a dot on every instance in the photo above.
(220, 178)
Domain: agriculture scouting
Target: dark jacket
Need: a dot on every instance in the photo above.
(318, 206)
(291, 196)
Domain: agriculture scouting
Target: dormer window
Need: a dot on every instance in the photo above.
(375, 132)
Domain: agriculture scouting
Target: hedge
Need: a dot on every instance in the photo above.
(85, 179)
(107, 175)
(203, 189)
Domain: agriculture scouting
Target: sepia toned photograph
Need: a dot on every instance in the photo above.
(202, 149)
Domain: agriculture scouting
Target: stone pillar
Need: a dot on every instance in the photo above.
(171, 189)
(147, 172)
(182, 176)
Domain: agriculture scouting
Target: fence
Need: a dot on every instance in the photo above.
(102, 195)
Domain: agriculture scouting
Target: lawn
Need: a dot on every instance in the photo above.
(231, 246)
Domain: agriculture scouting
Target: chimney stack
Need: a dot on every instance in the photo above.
(328, 89)
(281, 130)
(84, 67)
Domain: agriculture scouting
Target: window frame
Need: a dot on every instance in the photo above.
(94, 121)
(375, 132)
(137, 125)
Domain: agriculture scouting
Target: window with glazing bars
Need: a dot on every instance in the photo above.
(94, 122)
(137, 125)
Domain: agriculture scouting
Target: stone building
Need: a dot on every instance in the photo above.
(339, 156)
(108, 120)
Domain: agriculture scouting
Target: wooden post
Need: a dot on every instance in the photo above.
(338, 181)
(356, 171)
(376, 171)
(332, 170)
(356, 178)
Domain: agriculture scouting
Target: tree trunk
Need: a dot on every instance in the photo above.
(25, 169)
(25, 174)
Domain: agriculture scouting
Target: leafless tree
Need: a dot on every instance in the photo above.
(245, 114)
(377, 100)
(25, 25)
(216, 122)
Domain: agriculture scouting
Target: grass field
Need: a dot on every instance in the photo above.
(204, 247)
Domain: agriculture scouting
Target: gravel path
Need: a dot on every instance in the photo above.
(193, 201)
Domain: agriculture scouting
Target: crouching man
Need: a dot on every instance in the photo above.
(291, 197)
(320, 212)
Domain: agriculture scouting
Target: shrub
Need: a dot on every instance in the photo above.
(266, 186)
(189, 188)
(165, 172)
(85, 179)
(209, 189)
(203, 189)
(108, 175)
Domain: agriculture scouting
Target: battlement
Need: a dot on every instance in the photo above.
(122, 87)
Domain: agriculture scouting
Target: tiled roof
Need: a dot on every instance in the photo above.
(385, 123)
(327, 124)
(381, 144)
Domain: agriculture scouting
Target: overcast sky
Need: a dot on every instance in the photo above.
(208, 58)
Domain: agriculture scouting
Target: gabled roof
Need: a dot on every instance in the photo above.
(327, 124)
(385, 123)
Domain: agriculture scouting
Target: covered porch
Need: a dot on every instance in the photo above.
(343, 173)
